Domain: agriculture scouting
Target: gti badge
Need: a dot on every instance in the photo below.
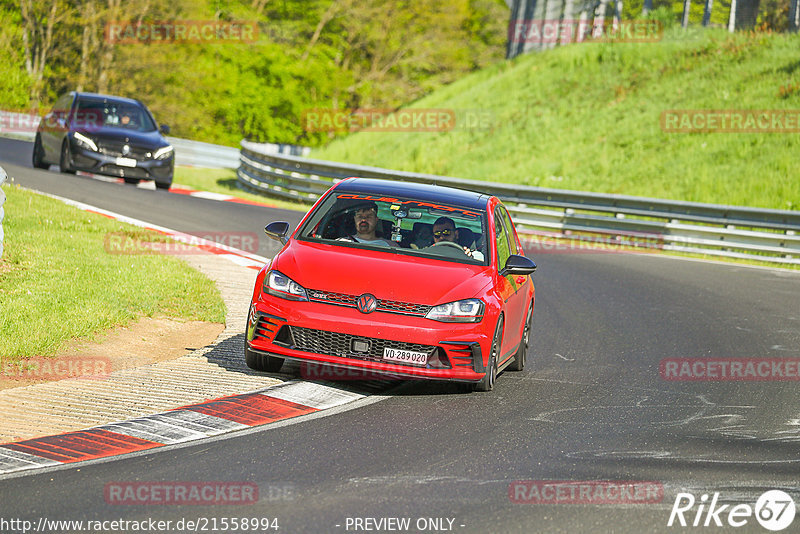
(367, 303)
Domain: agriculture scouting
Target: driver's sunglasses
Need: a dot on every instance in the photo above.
(442, 233)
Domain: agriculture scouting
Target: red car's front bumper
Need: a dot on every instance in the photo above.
(324, 333)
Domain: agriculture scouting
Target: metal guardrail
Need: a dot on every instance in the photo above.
(187, 153)
(593, 219)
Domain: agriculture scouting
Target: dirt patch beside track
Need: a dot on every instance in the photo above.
(146, 341)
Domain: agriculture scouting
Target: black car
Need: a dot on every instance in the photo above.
(104, 134)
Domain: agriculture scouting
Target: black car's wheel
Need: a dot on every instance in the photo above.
(519, 358)
(487, 382)
(65, 163)
(163, 185)
(131, 181)
(261, 362)
(38, 154)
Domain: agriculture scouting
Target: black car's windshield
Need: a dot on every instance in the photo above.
(406, 225)
(115, 114)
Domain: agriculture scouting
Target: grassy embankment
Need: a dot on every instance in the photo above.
(587, 117)
(59, 282)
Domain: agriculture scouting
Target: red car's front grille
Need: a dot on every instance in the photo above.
(337, 344)
(390, 306)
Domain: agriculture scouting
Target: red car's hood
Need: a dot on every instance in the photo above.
(386, 275)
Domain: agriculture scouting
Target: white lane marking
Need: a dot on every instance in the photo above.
(174, 427)
(244, 262)
(175, 234)
(11, 460)
(317, 396)
(565, 358)
(209, 425)
(211, 196)
(154, 430)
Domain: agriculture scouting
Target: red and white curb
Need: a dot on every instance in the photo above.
(181, 425)
(237, 256)
(183, 190)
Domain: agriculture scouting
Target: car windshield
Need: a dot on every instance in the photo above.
(114, 114)
(402, 225)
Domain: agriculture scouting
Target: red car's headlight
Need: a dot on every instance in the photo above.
(280, 285)
(461, 311)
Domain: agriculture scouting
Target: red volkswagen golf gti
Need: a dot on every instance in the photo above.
(402, 279)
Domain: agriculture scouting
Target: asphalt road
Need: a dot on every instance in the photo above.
(591, 405)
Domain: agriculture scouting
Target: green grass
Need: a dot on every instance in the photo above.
(587, 117)
(224, 181)
(58, 282)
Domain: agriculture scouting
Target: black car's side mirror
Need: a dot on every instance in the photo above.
(164, 129)
(518, 265)
(277, 230)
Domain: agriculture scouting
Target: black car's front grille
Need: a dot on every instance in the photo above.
(114, 149)
(336, 344)
(390, 306)
(124, 172)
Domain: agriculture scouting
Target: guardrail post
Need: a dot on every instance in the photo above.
(2, 200)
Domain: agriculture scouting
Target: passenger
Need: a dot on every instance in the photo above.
(366, 219)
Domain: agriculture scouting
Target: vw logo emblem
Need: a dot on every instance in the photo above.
(367, 303)
(126, 150)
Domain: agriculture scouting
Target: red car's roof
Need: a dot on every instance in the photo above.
(427, 192)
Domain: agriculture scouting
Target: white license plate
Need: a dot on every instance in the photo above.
(126, 162)
(405, 356)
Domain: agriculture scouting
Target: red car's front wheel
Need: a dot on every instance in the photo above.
(261, 362)
(488, 380)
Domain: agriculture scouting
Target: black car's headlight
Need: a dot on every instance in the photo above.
(84, 142)
(461, 311)
(163, 152)
(280, 285)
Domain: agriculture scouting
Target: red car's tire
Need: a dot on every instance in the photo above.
(262, 362)
(519, 358)
(489, 379)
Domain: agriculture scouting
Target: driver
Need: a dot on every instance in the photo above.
(444, 229)
(366, 219)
